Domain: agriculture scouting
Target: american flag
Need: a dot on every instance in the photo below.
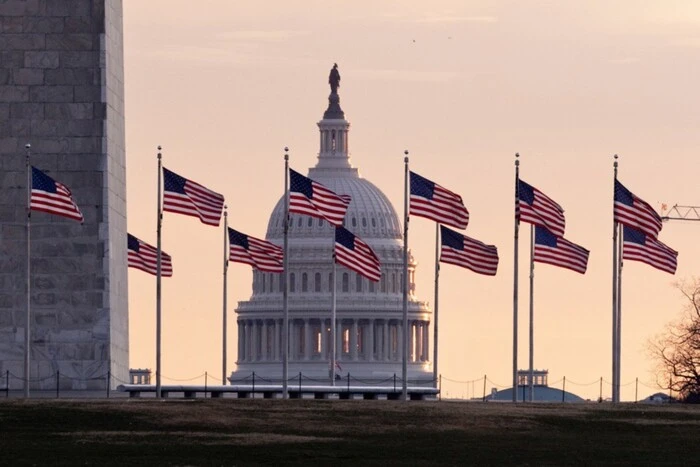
(50, 196)
(534, 207)
(639, 247)
(468, 253)
(313, 199)
(635, 212)
(558, 251)
(144, 257)
(260, 254)
(191, 199)
(428, 199)
(356, 255)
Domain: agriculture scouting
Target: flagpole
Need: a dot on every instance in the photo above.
(615, 285)
(404, 361)
(285, 294)
(158, 274)
(224, 326)
(532, 311)
(27, 331)
(333, 320)
(618, 328)
(435, 313)
(515, 282)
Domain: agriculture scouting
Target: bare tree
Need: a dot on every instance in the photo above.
(677, 349)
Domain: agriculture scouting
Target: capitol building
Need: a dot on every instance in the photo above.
(369, 322)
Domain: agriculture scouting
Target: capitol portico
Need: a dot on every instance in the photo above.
(369, 325)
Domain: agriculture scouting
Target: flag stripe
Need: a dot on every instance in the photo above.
(313, 199)
(260, 254)
(356, 255)
(467, 252)
(143, 256)
(534, 207)
(430, 200)
(52, 197)
(559, 251)
(633, 211)
(186, 197)
(646, 249)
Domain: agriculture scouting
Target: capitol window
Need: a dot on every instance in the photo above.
(374, 222)
(346, 282)
(371, 286)
(358, 283)
(354, 222)
(364, 222)
(317, 282)
(310, 223)
(304, 282)
(292, 282)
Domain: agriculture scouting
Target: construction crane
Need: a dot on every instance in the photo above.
(680, 213)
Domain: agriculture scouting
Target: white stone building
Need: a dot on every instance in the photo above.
(369, 315)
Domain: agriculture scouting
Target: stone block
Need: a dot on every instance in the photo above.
(82, 24)
(90, 145)
(72, 42)
(81, 59)
(51, 94)
(27, 41)
(22, 7)
(44, 299)
(11, 24)
(41, 59)
(43, 24)
(88, 94)
(5, 75)
(11, 58)
(68, 8)
(65, 127)
(73, 76)
(14, 93)
(69, 111)
(28, 76)
(22, 110)
(15, 127)
(4, 110)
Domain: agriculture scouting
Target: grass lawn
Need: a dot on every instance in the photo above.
(313, 432)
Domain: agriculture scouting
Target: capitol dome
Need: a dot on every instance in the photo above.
(369, 324)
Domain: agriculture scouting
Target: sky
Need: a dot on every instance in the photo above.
(224, 86)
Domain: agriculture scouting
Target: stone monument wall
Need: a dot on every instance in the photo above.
(62, 91)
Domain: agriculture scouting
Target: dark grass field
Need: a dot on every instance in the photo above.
(311, 432)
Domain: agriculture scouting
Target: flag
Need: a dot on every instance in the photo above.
(428, 199)
(558, 251)
(143, 256)
(534, 207)
(50, 196)
(313, 199)
(468, 253)
(639, 247)
(356, 255)
(260, 254)
(191, 199)
(635, 212)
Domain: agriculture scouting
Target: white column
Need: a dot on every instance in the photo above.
(353, 341)
(325, 350)
(248, 341)
(339, 338)
(307, 339)
(399, 339)
(241, 340)
(426, 341)
(370, 341)
(263, 344)
(276, 341)
(385, 342)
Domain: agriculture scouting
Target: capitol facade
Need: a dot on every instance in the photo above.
(369, 324)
